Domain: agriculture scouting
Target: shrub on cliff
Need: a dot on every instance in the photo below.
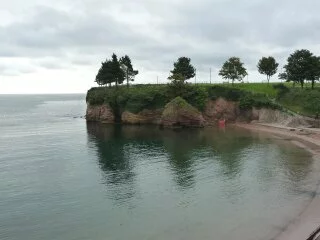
(139, 97)
(250, 100)
(302, 101)
(133, 99)
(95, 96)
(228, 93)
(145, 98)
(281, 90)
(197, 95)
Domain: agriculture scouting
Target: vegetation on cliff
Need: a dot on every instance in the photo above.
(139, 97)
(302, 101)
(179, 112)
(302, 67)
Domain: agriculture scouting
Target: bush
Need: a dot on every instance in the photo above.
(148, 98)
(246, 102)
(196, 95)
(139, 97)
(95, 96)
(281, 89)
(258, 101)
(232, 94)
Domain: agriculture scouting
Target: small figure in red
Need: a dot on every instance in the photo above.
(222, 122)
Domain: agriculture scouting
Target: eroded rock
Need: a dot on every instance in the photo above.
(179, 113)
(100, 113)
(219, 109)
(144, 117)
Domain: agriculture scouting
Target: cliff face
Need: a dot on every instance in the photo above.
(144, 117)
(221, 108)
(100, 113)
(172, 115)
(180, 113)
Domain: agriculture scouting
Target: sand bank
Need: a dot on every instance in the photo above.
(306, 225)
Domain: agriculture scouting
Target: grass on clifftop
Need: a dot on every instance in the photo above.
(148, 96)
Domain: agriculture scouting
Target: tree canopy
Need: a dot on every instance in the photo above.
(268, 66)
(115, 71)
(302, 66)
(104, 75)
(183, 70)
(127, 68)
(233, 69)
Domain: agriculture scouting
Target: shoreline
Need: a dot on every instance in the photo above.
(306, 226)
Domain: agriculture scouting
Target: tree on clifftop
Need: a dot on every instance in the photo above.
(116, 71)
(314, 70)
(182, 71)
(302, 66)
(104, 75)
(233, 69)
(110, 72)
(268, 66)
(126, 66)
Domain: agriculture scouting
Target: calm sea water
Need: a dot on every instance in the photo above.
(61, 179)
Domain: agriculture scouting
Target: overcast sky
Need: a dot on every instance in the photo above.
(57, 46)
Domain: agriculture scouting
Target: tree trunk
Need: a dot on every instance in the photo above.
(127, 79)
(312, 84)
(268, 79)
(302, 82)
(232, 81)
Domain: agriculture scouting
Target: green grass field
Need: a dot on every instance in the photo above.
(265, 88)
(256, 88)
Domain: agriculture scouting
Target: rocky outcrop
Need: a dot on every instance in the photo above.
(144, 117)
(221, 109)
(283, 118)
(100, 113)
(269, 115)
(179, 113)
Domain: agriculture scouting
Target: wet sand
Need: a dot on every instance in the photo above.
(306, 225)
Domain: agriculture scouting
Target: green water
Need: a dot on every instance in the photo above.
(63, 179)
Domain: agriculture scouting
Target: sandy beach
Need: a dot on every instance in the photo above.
(307, 224)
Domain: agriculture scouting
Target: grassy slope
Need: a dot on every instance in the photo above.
(139, 97)
(303, 101)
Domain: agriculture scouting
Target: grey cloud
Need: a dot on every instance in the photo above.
(8, 70)
(155, 33)
(51, 64)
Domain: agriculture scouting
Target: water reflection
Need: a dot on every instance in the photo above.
(229, 153)
(114, 161)
(181, 146)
